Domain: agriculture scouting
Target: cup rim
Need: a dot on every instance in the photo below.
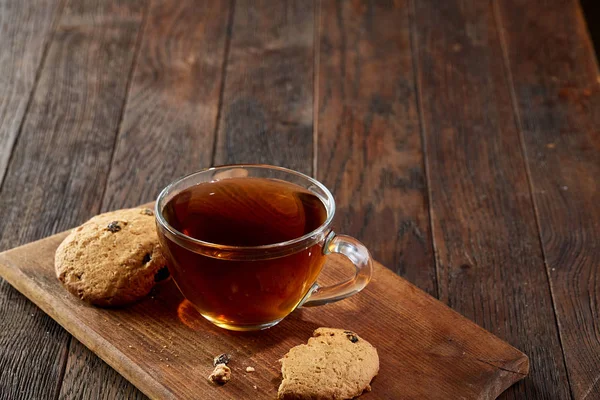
(330, 208)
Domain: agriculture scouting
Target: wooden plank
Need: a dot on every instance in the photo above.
(24, 35)
(88, 377)
(34, 348)
(169, 123)
(166, 348)
(267, 112)
(168, 130)
(61, 163)
(369, 140)
(556, 88)
(488, 255)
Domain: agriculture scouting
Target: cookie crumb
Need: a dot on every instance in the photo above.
(146, 211)
(221, 359)
(255, 387)
(250, 369)
(113, 227)
(220, 375)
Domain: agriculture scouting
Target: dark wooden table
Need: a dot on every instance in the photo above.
(460, 138)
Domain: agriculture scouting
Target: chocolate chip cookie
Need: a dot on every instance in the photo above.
(335, 364)
(113, 259)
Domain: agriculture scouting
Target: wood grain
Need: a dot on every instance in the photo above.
(489, 260)
(267, 112)
(170, 119)
(168, 130)
(88, 377)
(369, 139)
(62, 100)
(33, 349)
(163, 346)
(24, 35)
(556, 87)
(76, 108)
(61, 163)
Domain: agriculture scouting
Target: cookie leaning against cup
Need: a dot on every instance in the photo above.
(113, 259)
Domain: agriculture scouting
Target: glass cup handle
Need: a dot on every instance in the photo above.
(356, 252)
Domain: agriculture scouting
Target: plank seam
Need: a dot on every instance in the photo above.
(519, 126)
(229, 34)
(316, 73)
(419, 103)
(64, 359)
(36, 79)
(136, 53)
(38, 74)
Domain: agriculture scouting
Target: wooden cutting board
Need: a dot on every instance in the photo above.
(165, 348)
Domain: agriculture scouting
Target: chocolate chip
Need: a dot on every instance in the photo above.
(221, 359)
(146, 211)
(162, 274)
(351, 336)
(114, 227)
(147, 258)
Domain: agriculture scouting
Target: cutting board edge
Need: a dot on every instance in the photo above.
(521, 360)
